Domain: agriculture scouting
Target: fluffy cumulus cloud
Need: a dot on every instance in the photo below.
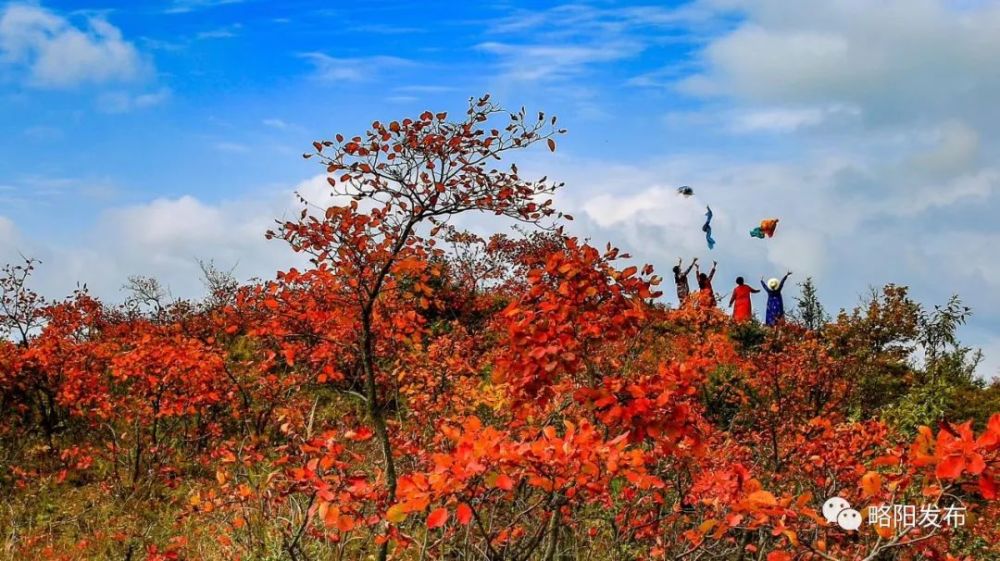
(881, 140)
(54, 52)
(9, 238)
(638, 207)
(899, 59)
(166, 238)
(905, 88)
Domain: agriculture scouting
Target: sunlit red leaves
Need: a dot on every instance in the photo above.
(437, 518)
(182, 374)
(574, 462)
(503, 482)
(630, 423)
(521, 381)
(951, 467)
(956, 452)
(445, 165)
(988, 485)
(656, 406)
(575, 301)
(332, 518)
(871, 484)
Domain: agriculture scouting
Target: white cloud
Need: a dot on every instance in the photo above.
(585, 20)
(155, 224)
(884, 170)
(185, 6)
(8, 234)
(55, 53)
(783, 120)
(123, 102)
(964, 255)
(231, 147)
(42, 189)
(555, 61)
(957, 147)
(572, 40)
(44, 133)
(981, 185)
(165, 238)
(803, 250)
(869, 129)
(227, 32)
(14, 246)
(275, 123)
(352, 69)
(768, 65)
(425, 89)
(850, 224)
(402, 98)
(822, 233)
(989, 368)
(895, 60)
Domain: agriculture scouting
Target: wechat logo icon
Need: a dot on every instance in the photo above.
(838, 511)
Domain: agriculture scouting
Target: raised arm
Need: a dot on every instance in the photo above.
(764, 285)
(694, 263)
(711, 274)
(783, 279)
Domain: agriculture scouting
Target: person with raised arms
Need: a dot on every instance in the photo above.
(775, 304)
(706, 294)
(681, 280)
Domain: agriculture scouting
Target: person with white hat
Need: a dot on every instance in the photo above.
(775, 304)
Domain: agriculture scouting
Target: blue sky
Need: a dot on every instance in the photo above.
(136, 138)
(218, 97)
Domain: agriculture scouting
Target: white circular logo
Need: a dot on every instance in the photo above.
(849, 519)
(833, 506)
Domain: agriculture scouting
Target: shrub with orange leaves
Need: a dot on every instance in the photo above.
(419, 392)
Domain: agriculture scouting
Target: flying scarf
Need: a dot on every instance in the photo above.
(766, 228)
(707, 228)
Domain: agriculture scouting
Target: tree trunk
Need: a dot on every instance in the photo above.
(377, 413)
(553, 531)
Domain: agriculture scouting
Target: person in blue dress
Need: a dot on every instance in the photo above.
(775, 304)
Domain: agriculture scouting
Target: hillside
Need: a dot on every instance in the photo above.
(424, 393)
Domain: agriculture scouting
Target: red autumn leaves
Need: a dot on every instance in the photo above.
(957, 451)
(421, 391)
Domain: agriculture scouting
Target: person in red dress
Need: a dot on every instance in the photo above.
(740, 301)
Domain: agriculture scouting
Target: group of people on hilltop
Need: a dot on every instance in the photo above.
(740, 300)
